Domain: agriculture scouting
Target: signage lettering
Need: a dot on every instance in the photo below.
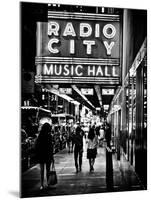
(50, 43)
(68, 70)
(107, 91)
(53, 28)
(78, 48)
(85, 30)
(87, 91)
(109, 30)
(82, 28)
(108, 47)
(88, 44)
(69, 30)
(111, 33)
(65, 90)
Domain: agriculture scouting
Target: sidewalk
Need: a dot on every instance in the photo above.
(103, 179)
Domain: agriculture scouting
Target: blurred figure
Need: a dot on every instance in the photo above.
(86, 131)
(92, 148)
(97, 130)
(101, 136)
(44, 151)
(78, 148)
(69, 139)
(25, 144)
(24, 135)
(108, 134)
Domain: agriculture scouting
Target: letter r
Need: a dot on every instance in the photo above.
(53, 28)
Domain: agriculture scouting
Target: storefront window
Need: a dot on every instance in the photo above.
(126, 124)
(145, 105)
(134, 103)
(130, 100)
(130, 92)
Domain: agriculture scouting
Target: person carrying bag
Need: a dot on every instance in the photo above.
(44, 151)
(52, 175)
(92, 148)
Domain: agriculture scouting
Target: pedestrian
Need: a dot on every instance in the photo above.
(44, 151)
(69, 139)
(101, 136)
(108, 134)
(97, 130)
(92, 148)
(78, 148)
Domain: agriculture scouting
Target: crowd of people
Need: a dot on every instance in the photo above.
(75, 138)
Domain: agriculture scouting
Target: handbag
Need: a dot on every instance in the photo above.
(52, 175)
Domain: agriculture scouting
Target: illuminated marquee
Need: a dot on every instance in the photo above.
(85, 30)
(78, 70)
(78, 45)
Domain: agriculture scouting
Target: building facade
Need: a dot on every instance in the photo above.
(128, 110)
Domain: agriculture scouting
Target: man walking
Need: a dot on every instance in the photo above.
(108, 134)
(78, 148)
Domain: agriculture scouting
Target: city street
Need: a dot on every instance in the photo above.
(123, 177)
(83, 72)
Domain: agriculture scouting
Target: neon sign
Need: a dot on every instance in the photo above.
(76, 45)
(85, 31)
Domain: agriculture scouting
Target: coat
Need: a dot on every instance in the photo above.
(44, 149)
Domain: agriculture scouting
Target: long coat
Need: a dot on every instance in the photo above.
(44, 149)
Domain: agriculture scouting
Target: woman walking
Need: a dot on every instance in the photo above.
(92, 148)
(44, 151)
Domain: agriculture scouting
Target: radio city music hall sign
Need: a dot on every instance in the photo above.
(73, 46)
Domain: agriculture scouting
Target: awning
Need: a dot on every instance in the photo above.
(35, 108)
